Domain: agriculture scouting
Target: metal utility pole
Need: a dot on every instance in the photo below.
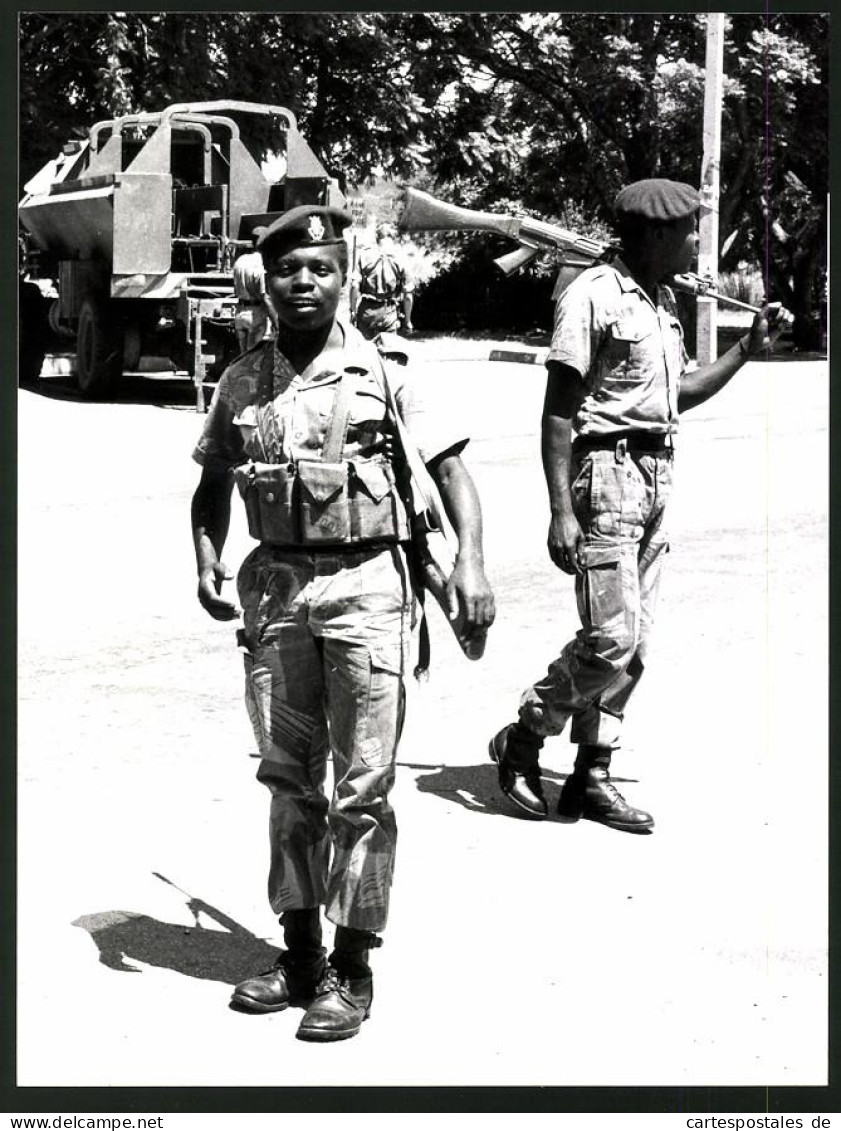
(707, 332)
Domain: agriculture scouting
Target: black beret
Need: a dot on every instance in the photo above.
(307, 225)
(656, 199)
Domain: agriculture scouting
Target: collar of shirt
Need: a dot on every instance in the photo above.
(628, 283)
(357, 355)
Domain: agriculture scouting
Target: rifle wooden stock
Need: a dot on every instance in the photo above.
(423, 213)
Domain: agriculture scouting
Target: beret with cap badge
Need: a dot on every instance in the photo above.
(307, 225)
(657, 199)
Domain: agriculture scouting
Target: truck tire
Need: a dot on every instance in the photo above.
(33, 332)
(99, 348)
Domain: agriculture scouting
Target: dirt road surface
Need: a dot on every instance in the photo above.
(517, 952)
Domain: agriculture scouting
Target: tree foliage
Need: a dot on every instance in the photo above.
(542, 112)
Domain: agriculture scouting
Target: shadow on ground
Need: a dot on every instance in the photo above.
(227, 955)
(159, 391)
(476, 788)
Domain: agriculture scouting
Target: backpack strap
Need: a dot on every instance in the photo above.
(267, 427)
(426, 502)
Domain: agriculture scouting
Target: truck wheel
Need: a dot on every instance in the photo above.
(33, 332)
(99, 348)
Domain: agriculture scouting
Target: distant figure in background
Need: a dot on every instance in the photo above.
(381, 295)
(255, 313)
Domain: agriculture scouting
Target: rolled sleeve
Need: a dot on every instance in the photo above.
(577, 331)
(220, 443)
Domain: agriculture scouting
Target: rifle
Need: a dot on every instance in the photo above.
(421, 212)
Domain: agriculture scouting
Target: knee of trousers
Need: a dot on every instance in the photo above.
(364, 792)
(611, 651)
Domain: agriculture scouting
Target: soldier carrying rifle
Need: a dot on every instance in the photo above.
(617, 381)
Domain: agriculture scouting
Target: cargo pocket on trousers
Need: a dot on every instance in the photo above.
(601, 586)
(385, 706)
(251, 699)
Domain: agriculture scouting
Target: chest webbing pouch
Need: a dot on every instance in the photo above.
(269, 492)
(322, 500)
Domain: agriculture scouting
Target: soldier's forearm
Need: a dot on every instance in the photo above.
(556, 452)
(210, 515)
(701, 384)
(461, 503)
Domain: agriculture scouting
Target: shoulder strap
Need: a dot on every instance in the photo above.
(422, 483)
(267, 428)
(334, 440)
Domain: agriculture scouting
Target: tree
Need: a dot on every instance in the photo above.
(352, 80)
(611, 98)
(543, 112)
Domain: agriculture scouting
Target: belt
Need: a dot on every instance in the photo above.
(369, 300)
(637, 443)
(335, 549)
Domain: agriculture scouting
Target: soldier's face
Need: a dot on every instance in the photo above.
(679, 244)
(305, 285)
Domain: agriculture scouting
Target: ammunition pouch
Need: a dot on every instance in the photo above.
(312, 502)
(323, 504)
(377, 511)
(268, 491)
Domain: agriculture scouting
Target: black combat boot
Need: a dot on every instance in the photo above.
(588, 792)
(296, 973)
(343, 999)
(515, 750)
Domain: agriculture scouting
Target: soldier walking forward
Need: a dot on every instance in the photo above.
(302, 425)
(617, 380)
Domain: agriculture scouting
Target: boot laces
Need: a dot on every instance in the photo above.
(332, 980)
(607, 787)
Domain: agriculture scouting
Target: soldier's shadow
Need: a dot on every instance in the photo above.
(477, 787)
(124, 938)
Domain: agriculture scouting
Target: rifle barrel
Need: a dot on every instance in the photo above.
(701, 288)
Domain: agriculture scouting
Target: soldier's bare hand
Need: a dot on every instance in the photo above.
(469, 594)
(767, 326)
(209, 593)
(564, 541)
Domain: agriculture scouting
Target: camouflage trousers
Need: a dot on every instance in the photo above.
(372, 320)
(326, 643)
(619, 501)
